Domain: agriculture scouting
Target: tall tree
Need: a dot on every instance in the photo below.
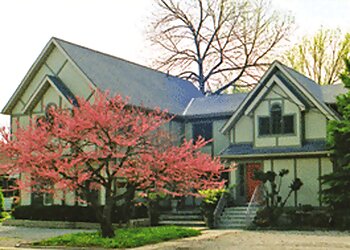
(96, 145)
(321, 56)
(337, 185)
(217, 44)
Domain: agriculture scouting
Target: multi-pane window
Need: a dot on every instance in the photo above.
(276, 123)
(204, 129)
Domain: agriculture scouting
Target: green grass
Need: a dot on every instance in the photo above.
(129, 237)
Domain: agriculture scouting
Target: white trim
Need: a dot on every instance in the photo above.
(324, 109)
(43, 83)
(59, 47)
(268, 86)
(277, 155)
(43, 55)
(188, 106)
(229, 124)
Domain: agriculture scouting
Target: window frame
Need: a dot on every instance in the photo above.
(210, 123)
(282, 124)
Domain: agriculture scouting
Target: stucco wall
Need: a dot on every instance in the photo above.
(315, 125)
(307, 169)
(276, 95)
(243, 130)
(220, 141)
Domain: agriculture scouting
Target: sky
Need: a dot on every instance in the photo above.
(116, 27)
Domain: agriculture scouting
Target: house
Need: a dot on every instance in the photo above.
(280, 124)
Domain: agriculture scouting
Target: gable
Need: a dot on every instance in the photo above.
(300, 89)
(52, 62)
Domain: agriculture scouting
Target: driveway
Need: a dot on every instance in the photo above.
(258, 240)
(209, 240)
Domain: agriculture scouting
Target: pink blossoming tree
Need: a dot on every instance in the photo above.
(94, 146)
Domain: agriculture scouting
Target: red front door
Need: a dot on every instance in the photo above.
(251, 183)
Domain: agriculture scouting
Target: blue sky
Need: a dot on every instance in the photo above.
(115, 27)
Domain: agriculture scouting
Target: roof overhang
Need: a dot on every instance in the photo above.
(278, 155)
(46, 83)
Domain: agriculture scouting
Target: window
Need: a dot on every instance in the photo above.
(48, 199)
(276, 119)
(276, 123)
(204, 129)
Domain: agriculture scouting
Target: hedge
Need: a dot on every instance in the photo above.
(72, 213)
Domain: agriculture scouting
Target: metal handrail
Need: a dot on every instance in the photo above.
(219, 209)
(256, 200)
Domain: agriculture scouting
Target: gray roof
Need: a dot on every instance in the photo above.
(214, 105)
(144, 86)
(63, 89)
(330, 92)
(246, 149)
(323, 93)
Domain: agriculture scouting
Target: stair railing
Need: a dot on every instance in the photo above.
(219, 209)
(255, 200)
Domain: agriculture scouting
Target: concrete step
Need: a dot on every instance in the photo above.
(180, 217)
(231, 226)
(232, 217)
(188, 223)
(182, 212)
(242, 208)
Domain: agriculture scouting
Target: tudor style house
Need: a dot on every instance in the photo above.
(280, 124)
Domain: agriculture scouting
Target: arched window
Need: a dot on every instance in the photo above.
(276, 123)
(276, 118)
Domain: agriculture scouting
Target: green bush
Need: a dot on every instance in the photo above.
(72, 213)
(210, 199)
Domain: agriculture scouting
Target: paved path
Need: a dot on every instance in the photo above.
(209, 240)
(11, 236)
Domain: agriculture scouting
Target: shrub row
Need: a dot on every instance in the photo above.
(73, 213)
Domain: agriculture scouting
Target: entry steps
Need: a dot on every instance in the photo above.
(236, 217)
(187, 218)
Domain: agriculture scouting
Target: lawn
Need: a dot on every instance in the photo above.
(129, 237)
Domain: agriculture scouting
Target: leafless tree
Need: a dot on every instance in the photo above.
(320, 56)
(217, 44)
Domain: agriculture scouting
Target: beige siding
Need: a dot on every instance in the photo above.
(39, 76)
(308, 172)
(243, 131)
(188, 131)
(25, 195)
(70, 198)
(288, 164)
(288, 108)
(56, 60)
(220, 141)
(75, 81)
(315, 125)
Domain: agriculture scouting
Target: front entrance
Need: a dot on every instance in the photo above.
(245, 182)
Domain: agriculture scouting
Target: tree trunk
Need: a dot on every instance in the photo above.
(106, 218)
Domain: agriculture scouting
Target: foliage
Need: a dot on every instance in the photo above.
(210, 200)
(320, 57)
(126, 238)
(92, 145)
(336, 185)
(274, 202)
(211, 196)
(218, 44)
